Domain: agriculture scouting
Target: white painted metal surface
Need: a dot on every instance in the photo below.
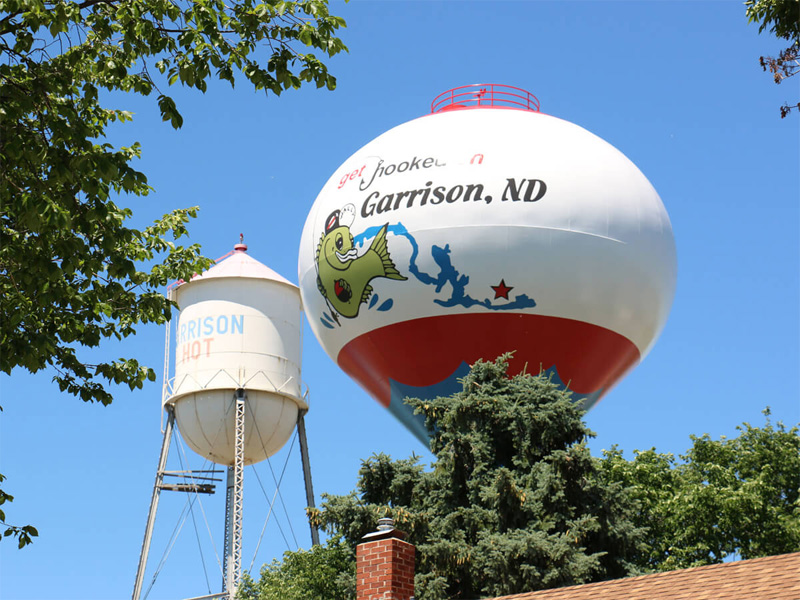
(501, 224)
(239, 327)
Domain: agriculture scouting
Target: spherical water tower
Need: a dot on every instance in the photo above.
(482, 228)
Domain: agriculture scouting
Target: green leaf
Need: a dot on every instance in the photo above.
(169, 111)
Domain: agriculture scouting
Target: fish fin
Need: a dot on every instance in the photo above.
(367, 293)
(320, 287)
(319, 248)
(380, 246)
(394, 274)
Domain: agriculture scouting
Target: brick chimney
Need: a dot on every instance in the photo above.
(385, 565)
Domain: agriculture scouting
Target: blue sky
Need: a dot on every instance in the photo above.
(676, 86)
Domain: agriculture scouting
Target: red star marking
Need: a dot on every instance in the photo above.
(501, 290)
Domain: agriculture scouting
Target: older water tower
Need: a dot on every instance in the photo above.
(482, 228)
(239, 329)
(236, 392)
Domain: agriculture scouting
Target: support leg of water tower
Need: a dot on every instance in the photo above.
(151, 516)
(233, 503)
(227, 558)
(301, 434)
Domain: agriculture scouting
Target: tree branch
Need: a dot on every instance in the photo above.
(90, 3)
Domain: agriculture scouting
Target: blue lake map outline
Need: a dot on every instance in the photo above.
(447, 273)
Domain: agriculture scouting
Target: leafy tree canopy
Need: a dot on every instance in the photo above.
(724, 498)
(781, 18)
(72, 271)
(323, 573)
(514, 501)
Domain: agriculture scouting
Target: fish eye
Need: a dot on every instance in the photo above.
(339, 241)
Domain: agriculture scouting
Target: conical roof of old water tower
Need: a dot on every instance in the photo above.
(239, 328)
(240, 264)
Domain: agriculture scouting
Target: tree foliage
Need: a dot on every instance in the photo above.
(72, 270)
(781, 18)
(323, 573)
(25, 533)
(514, 501)
(69, 264)
(724, 498)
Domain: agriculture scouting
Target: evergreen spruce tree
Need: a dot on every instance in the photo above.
(514, 501)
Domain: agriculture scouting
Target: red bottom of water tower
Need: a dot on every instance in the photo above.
(424, 357)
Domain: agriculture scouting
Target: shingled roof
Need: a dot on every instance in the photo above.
(769, 578)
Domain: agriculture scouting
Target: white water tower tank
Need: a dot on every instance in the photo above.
(239, 328)
(483, 228)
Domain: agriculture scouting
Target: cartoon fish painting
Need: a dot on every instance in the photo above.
(343, 275)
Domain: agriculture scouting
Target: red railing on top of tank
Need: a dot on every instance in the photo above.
(485, 95)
